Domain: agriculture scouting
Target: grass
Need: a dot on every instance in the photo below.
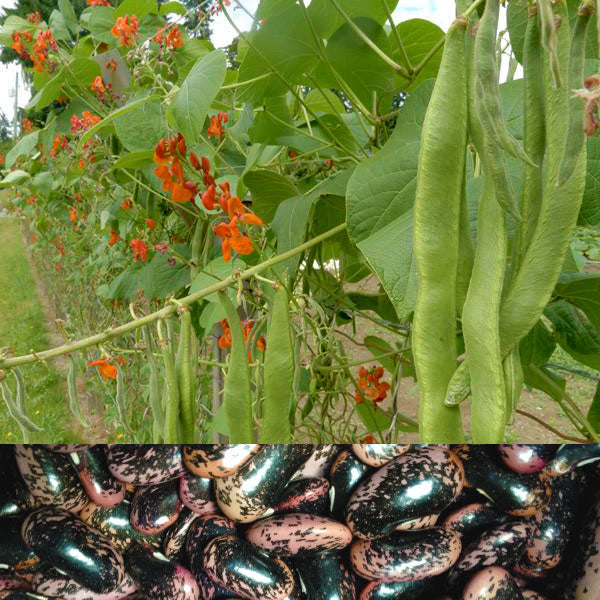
(22, 328)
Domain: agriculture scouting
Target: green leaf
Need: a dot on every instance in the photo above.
(594, 411)
(358, 65)
(575, 333)
(267, 9)
(324, 101)
(82, 71)
(134, 160)
(11, 24)
(379, 204)
(140, 8)
(214, 272)
(268, 190)
(142, 128)
(160, 279)
(533, 378)
(197, 93)
(289, 224)
(24, 147)
(58, 25)
(172, 8)
(326, 19)
(44, 182)
(48, 93)
(68, 13)
(14, 178)
(124, 287)
(284, 43)
(377, 347)
(373, 418)
(516, 19)
(537, 346)
(119, 112)
(99, 20)
(582, 290)
(419, 37)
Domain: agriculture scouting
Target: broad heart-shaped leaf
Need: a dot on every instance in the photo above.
(136, 7)
(267, 9)
(582, 290)
(418, 39)
(141, 129)
(284, 43)
(159, 278)
(537, 346)
(24, 147)
(327, 19)
(589, 215)
(324, 101)
(379, 204)
(575, 332)
(48, 93)
(268, 190)
(66, 8)
(58, 26)
(99, 20)
(14, 178)
(197, 93)
(356, 63)
(82, 71)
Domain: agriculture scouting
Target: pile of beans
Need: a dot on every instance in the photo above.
(312, 522)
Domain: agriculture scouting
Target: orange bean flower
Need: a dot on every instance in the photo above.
(233, 239)
(126, 30)
(370, 385)
(114, 238)
(106, 367)
(150, 224)
(140, 250)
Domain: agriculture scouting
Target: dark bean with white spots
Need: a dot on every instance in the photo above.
(197, 493)
(145, 464)
(492, 583)
(417, 484)
(155, 507)
(406, 556)
(217, 460)
(305, 496)
(15, 556)
(326, 577)
(400, 590)
(50, 477)
(176, 536)
(64, 541)
(527, 458)
(572, 456)
(238, 566)
(473, 518)
(377, 455)
(201, 532)
(319, 462)
(347, 471)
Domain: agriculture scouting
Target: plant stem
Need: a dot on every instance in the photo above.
(164, 312)
(552, 429)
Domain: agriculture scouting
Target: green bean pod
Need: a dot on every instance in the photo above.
(575, 131)
(186, 367)
(534, 133)
(465, 252)
(531, 289)
(74, 404)
(513, 380)
(436, 240)
(487, 76)
(158, 416)
(120, 396)
(13, 411)
(171, 387)
(279, 374)
(481, 325)
(549, 40)
(237, 398)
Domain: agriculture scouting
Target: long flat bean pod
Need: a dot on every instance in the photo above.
(436, 227)
(237, 397)
(279, 374)
(171, 386)
(186, 368)
(513, 380)
(487, 76)
(158, 414)
(575, 131)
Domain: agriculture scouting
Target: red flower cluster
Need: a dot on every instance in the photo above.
(140, 250)
(170, 170)
(169, 36)
(126, 30)
(44, 42)
(225, 339)
(27, 125)
(114, 238)
(87, 120)
(215, 129)
(370, 386)
(99, 88)
(150, 224)
(98, 3)
(59, 142)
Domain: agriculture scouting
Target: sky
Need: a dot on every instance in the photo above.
(438, 11)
